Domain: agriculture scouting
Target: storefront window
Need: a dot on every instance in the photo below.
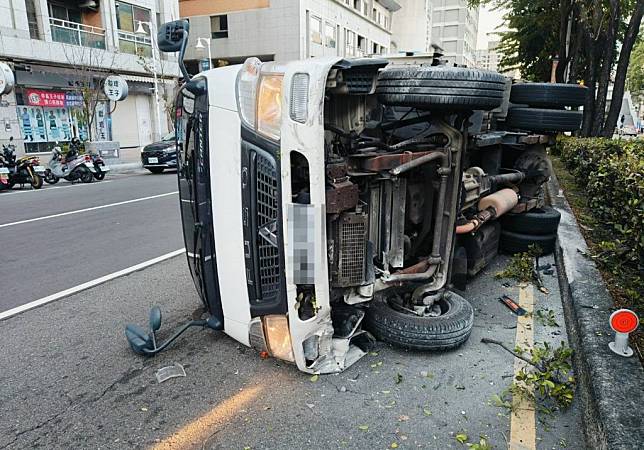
(47, 117)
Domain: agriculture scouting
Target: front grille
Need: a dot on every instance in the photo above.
(352, 248)
(266, 203)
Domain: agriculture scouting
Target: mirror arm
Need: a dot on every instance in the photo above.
(182, 53)
(192, 323)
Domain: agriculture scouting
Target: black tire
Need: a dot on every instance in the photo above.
(549, 95)
(512, 243)
(86, 175)
(36, 181)
(538, 221)
(99, 175)
(443, 88)
(50, 178)
(156, 170)
(532, 119)
(406, 330)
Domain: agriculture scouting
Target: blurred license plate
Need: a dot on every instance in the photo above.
(153, 160)
(104, 168)
(4, 170)
(39, 169)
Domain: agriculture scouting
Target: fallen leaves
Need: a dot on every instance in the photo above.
(363, 427)
(461, 437)
(315, 378)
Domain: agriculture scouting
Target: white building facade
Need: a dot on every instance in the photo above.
(61, 51)
(412, 27)
(455, 29)
(284, 30)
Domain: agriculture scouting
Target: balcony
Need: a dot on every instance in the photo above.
(77, 34)
(135, 44)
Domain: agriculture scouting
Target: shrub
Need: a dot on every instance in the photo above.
(612, 174)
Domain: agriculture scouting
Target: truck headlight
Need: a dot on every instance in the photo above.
(278, 337)
(259, 96)
(269, 105)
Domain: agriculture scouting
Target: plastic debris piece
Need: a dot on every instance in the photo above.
(165, 373)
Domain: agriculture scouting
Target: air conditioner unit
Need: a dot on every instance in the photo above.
(89, 4)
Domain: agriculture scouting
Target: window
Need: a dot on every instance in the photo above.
(350, 40)
(219, 27)
(32, 20)
(315, 24)
(386, 22)
(365, 9)
(64, 13)
(329, 34)
(356, 4)
(128, 18)
(362, 45)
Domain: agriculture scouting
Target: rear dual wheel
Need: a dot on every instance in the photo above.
(86, 175)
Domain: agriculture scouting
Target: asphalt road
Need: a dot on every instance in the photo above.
(69, 380)
(49, 244)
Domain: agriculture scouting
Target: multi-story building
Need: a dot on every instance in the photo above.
(489, 58)
(455, 29)
(411, 29)
(61, 51)
(285, 30)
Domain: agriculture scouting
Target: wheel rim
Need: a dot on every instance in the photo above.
(396, 303)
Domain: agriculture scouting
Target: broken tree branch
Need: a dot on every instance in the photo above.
(508, 349)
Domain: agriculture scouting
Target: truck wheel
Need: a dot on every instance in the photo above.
(532, 119)
(549, 95)
(538, 221)
(404, 329)
(446, 88)
(512, 243)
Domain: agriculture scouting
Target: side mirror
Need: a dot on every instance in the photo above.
(138, 339)
(171, 35)
(155, 318)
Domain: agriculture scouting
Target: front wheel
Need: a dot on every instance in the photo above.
(50, 178)
(86, 176)
(36, 181)
(391, 322)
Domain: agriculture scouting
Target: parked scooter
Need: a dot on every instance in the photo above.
(99, 166)
(23, 170)
(71, 167)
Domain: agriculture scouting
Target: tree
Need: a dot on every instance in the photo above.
(587, 36)
(91, 67)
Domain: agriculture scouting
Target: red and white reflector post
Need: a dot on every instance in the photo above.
(623, 322)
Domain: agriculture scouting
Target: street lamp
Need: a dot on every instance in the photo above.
(200, 46)
(141, 30)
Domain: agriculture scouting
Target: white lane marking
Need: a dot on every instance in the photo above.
(93, 208)
(88, 285)
(47, 189)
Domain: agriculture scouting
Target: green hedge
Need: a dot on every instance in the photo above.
(612, 173)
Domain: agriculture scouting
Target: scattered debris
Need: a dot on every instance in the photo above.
(514, 306)
(314, 378)
(363, 427)
(165, 373)
(399, 378)
(461, 437)
(546, 317)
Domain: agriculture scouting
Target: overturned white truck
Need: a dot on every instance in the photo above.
(331, 200)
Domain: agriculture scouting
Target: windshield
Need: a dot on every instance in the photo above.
(168, 137)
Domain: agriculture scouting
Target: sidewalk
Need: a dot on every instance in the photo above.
(129, 160)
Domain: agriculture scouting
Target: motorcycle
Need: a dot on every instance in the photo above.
(23, 170)
(99, 166)
(79, 167)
